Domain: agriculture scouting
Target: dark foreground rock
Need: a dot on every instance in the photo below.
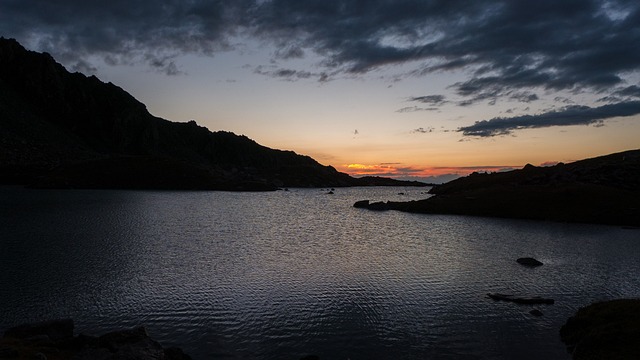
(602, 190)
(55, 330)
(520, 299)
(604, 330)
(530, 262)
(55, 340)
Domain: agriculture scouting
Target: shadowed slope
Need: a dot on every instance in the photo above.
(61, 129)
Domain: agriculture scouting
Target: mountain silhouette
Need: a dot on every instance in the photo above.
(66, 130)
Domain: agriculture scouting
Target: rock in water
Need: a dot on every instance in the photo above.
(521, 300)
(536, 312)
(527, 261)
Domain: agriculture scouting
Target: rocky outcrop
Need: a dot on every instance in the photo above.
(54, 339)
(602, 190)
(604, 330)
(363, 204)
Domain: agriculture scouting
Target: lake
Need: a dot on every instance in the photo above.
(285, 274)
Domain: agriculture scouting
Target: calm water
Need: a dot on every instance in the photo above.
(286, 274)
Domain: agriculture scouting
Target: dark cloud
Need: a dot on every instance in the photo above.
(409, 109)
(622, 94)
(570, 115)
(121, 31)
(163, 64)
(524, 96)
(563, 100)
(632, 91)
(422, 130)
(289, 52)
(504, 46)
(433, 100)
(289, 74)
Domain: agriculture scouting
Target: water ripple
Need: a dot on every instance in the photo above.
(286, 274)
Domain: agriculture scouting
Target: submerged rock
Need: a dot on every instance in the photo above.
(378, 205)
(536, 312)
(520, 299)
(527, 261)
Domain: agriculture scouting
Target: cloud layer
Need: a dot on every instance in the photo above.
(429, 175)
(501, 44)
(504, 48)
(570, 115)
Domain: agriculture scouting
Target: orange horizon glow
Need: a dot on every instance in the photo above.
(399, 170)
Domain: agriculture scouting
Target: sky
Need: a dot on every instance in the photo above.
(415, 89)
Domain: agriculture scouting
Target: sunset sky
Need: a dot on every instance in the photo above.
(424, 89)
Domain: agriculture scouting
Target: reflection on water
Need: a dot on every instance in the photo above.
(285, 274)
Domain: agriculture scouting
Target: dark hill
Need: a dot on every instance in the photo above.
(603, 190)
(61, 129)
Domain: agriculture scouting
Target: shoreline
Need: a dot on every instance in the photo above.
(55, 339)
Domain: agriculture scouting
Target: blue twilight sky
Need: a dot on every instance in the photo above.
(430, 89)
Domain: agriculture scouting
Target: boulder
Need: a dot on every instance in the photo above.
(604, 330)
(380, 206)
(125, 344)
(361, 204)
(527, 261)
(521, 299)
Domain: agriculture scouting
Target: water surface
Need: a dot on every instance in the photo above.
(285, 274)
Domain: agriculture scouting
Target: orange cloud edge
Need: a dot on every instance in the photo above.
(399, 171)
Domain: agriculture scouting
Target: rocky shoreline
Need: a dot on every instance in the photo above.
(602, 330)
(55, 339)
(602, 190)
